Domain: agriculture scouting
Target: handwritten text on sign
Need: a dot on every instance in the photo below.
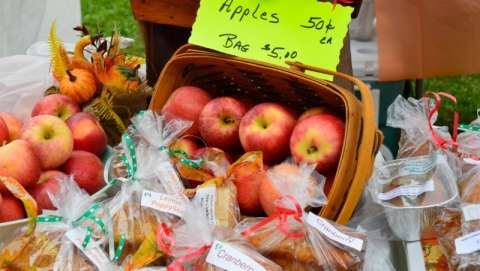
(274, 31)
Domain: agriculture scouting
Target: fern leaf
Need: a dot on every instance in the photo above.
(104, 110)
(114, 44)
(59, 60)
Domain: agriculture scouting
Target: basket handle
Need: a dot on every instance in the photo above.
(370, 142)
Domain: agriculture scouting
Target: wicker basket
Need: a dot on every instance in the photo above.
(221, 74)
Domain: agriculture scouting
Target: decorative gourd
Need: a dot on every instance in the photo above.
(78, 84)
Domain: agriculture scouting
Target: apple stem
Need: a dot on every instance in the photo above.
(312, 149)
(71, 76)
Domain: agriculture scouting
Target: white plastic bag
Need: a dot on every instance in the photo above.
(23, 79)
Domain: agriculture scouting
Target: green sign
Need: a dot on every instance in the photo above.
(274, 31)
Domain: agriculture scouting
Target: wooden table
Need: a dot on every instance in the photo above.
(166, 25)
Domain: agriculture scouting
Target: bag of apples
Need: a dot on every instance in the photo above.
(194, 244)
(152, 193)
(57, 242)
(297, 240)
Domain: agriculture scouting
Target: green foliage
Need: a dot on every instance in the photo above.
(108, 15)
(467, 91)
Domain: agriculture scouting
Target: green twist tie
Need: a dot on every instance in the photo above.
(183, 157)
(121, 245)
(53, 218)
(470, 128)
(87, 214)
(87, 238)
(131, 149)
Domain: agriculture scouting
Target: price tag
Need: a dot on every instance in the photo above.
(163, 203)
(409, 190)
(229, 258)
(471, 212)
(94, 253)
(468, 244)
(332, 233)
(274, 31)
(206, 198)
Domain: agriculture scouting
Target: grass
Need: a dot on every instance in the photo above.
(108, 14)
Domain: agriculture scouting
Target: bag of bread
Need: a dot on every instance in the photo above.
(218, 196)
(469, 140)
(153, 195)
(458, 233)
(152, 191)
(412, 191)
(149, 130)
(297, 240)
(57, 242)
(196, 245)
(416, 120)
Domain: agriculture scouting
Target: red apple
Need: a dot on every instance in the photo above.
(57, 105)
(219, 122)
(88, 134)
(47, 183)
(50, 138)
(318, 139)
(4, 135)
(247, 178)
(87, 170)
(185, 144)
(311, 112)
(18, 160)
(14, 125)
(187, 102)
(212, 151)
(267, 127)
(11, 209)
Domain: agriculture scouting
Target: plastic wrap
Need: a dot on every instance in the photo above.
(56, 242)
(412, 191)
(469, 140)
(299, 241)
(418, 135)
(198, 246)
(217, 197)
(152, 193)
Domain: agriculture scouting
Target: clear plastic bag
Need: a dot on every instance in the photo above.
(196, 245)
(23, 79)
(153, 192)
(218, 196)
(56, 243)
(299, 241)
(469, 140)
(418, 135)
(412, 191)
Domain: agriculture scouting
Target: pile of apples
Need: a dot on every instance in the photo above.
(235, 125)
(57, 141)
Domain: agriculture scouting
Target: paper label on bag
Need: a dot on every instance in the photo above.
(471, 161)
(163, 203)
(471, 212)
(206, 198)
(94, 253)
(468, 243)
(227, 257)
(332, 233)
(417, 166)
(410, 190)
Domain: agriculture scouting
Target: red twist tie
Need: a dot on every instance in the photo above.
(177, 264)
(165, 241)
(440, 141)
(282, 214)
(164, 233)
